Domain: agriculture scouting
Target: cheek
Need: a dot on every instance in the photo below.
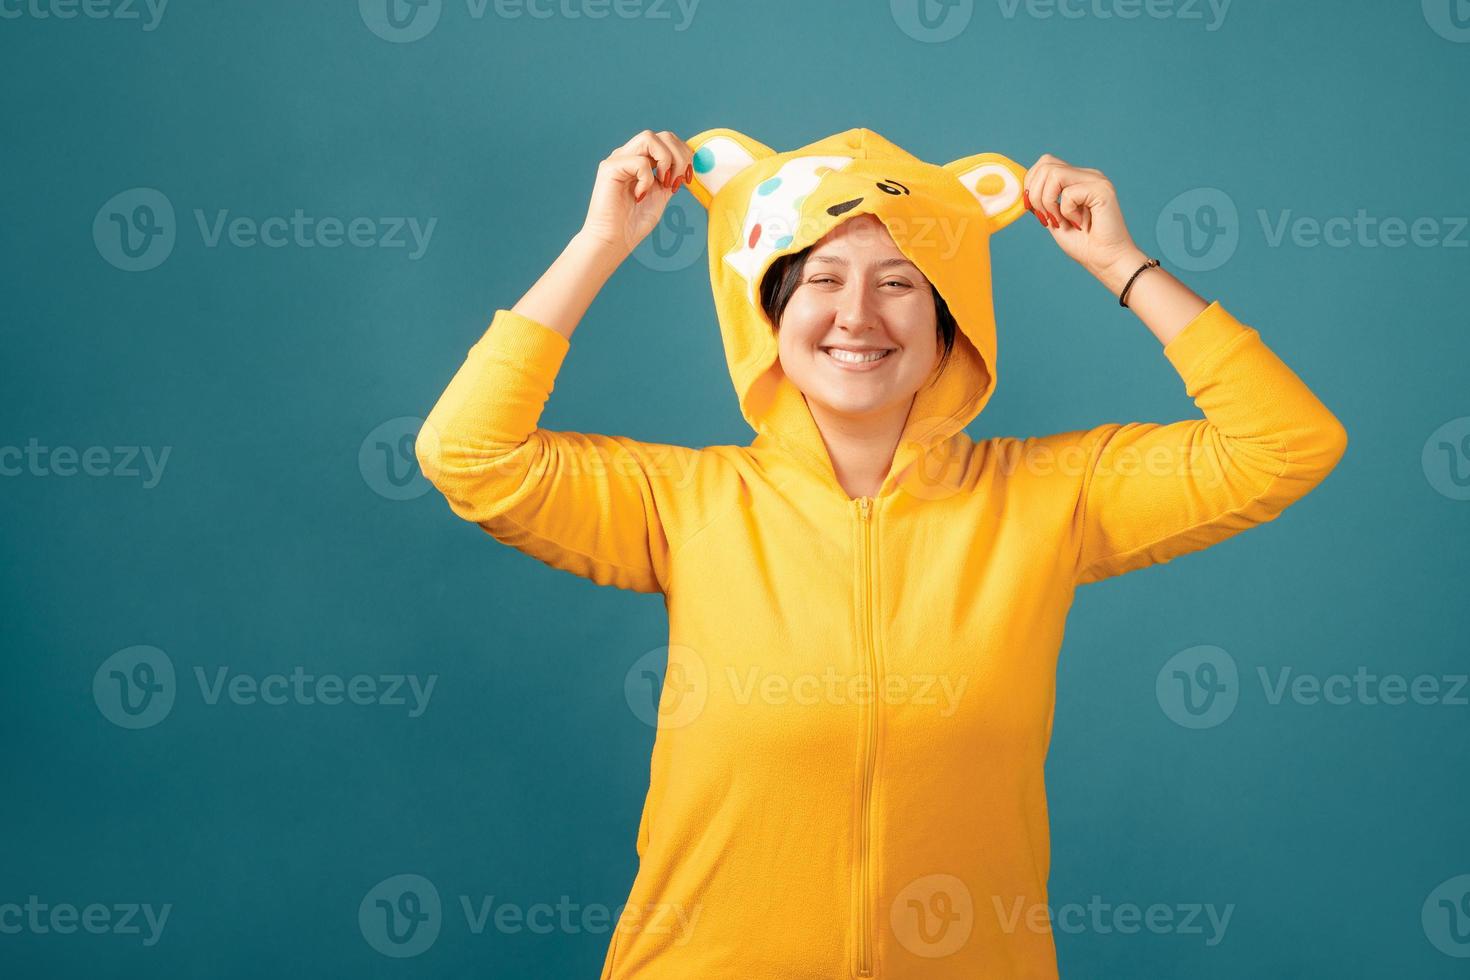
(800, 328)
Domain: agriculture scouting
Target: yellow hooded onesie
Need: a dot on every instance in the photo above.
(846, 778)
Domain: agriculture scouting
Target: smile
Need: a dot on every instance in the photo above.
(855, 360)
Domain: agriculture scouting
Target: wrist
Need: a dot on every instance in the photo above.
(601, 253)
(1115, 274)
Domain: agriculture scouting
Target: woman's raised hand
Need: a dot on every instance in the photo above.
(628, 197)
(1080, 207)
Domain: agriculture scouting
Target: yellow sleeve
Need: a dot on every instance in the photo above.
(584, 503)
(1152, 492)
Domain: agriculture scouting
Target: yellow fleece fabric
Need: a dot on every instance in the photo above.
(846, 778)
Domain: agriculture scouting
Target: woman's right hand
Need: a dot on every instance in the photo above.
(628, 199)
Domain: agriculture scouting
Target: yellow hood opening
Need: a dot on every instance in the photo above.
(763, 205)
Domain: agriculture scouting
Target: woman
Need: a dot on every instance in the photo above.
(865, 605)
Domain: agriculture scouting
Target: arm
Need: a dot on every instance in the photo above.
(1151, 492)
(1148, 492)
(590, 504)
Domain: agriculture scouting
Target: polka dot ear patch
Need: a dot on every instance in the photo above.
(720, 154)
(995, 182)
(773, 214)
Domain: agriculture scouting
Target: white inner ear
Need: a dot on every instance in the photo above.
(728, 159)
(993, 204)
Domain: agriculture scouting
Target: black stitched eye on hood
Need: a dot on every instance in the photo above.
(887, 185)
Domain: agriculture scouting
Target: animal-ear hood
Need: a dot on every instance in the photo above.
(763, 204)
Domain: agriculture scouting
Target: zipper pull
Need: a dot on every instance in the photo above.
(863, 504)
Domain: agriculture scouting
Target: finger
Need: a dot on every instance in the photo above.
(683, 166)
(685, 160)
(1057, 179)
(648, 143)
(1028, 186)
(673, 167)
(635, 169)
(1077, 201)
(1031, 188)
(1049, 186)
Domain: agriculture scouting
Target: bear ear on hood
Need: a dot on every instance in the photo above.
(995, 181)
(720, 154)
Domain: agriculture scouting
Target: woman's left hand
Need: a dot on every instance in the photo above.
(1079, 206)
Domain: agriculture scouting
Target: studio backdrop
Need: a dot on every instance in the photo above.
(272, 709)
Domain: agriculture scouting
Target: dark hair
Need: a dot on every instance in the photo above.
(784, 275)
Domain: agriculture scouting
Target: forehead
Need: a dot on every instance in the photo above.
(862, 232)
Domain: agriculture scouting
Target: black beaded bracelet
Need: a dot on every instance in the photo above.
(1123, 296)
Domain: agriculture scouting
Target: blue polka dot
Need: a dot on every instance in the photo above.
(704, 160)
(783, 241)
(768, 185)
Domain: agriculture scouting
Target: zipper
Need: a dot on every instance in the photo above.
(865, 901)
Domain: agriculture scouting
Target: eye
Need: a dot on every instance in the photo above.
(821, 279)
(898, 282)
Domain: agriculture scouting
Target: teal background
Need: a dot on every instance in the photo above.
(264, 547)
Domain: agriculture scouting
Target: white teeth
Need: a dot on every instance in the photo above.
(851, 357)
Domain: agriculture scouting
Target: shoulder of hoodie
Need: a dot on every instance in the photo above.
(1059, 459)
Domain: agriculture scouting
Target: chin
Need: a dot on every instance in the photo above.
(842, 403)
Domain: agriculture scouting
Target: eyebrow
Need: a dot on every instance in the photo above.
(838, 260)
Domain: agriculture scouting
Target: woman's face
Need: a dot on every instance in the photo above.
(859, 294)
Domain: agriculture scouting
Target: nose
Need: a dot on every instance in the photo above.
(855, 307)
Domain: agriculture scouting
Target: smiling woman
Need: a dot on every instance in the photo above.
(861, 537)
(860, 329)
(786, 273)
